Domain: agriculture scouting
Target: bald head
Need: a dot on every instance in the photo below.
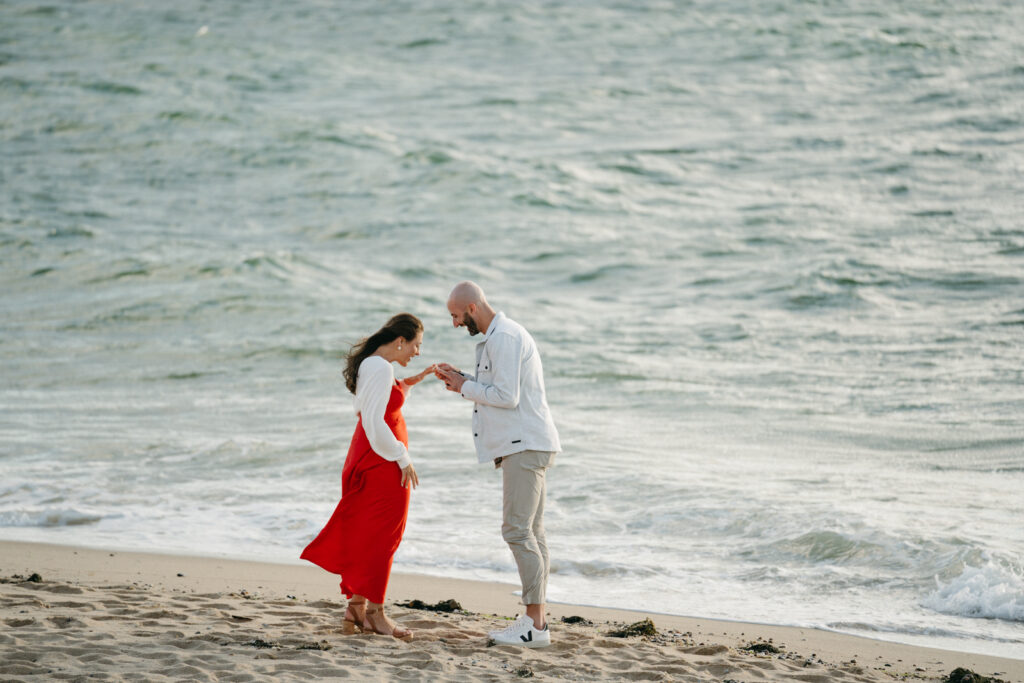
(469, 308)
(465, 293)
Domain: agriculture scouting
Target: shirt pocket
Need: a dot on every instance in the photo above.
(484, 369)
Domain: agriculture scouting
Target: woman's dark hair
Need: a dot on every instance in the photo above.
(404, 325)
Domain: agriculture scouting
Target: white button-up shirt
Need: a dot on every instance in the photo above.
(511, 411)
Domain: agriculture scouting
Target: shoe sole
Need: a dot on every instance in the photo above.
(531, 645)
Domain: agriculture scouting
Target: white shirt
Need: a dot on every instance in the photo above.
(511, 412)
(374, 381)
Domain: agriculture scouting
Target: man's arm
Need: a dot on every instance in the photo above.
(505, 351)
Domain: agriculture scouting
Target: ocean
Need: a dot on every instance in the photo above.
(772, 254)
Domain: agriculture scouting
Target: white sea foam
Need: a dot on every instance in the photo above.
(993, 591)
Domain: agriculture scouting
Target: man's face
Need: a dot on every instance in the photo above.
(462, 317)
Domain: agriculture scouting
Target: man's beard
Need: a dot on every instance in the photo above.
(470, 325)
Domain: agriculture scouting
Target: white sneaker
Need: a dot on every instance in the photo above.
(497, 631)
(522, 633)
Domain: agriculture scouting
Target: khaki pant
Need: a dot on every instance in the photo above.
(524, 485)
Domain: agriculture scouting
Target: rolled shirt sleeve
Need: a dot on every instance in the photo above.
(506, 354)
(373, 391)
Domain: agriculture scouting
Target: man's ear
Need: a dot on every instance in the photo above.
(471, 309)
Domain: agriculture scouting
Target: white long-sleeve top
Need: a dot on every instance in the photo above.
(511, 411)
(374, 381)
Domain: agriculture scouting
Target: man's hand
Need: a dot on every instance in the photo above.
(452, 378)
(447, 368)
(415, 379)
(409, 478)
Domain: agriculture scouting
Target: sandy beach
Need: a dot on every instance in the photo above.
(75, 614)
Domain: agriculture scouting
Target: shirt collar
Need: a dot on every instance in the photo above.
(498, 318)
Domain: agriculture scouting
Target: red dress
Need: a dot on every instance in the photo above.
(360, 540)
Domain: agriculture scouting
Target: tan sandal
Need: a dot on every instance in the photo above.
(398, 632)
(352, 623)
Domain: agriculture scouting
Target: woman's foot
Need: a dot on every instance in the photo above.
(378, 622)
(355, 615)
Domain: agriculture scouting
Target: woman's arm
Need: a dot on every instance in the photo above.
(417, 378)
(374, 391)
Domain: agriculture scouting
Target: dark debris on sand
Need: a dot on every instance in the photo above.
(961, 675)
(640, 628)
(577, 620)
(761, 648)
(449, 605)
(18, 578)
(261, 644)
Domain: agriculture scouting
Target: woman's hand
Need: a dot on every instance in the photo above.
(416, 379)
(409, 478)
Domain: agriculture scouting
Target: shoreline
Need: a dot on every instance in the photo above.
(684, 643)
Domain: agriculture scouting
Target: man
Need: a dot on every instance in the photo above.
(512, 427)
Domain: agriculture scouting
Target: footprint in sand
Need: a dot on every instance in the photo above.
(64, 622)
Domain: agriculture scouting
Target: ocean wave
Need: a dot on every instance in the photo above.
(48, 517)
(914, 630)
(831, 547)
(600, 569)
(993, 591)
(601, 272)
(110, 88)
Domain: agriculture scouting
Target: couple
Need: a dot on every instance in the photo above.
(512, 427)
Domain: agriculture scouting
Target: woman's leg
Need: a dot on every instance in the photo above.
(355, 614)
(375, 529)
(378, 622)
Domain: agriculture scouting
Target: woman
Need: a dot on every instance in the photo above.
(360, 540)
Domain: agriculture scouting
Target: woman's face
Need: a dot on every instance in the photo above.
(410, 349)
